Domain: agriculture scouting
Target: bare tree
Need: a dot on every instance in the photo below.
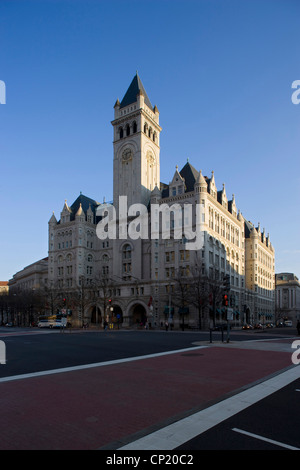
(216, 290)
(199, 292)
(181, 295)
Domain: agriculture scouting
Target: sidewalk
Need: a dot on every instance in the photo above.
(111, 405)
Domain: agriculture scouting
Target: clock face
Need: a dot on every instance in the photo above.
(127, 155)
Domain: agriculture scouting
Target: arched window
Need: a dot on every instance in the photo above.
(134, 127)
(126, 261)
(121, 132)
(126, 251)
(127, 129)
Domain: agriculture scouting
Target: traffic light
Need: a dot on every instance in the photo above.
(64, 302)
(227, 282)
(225, 300)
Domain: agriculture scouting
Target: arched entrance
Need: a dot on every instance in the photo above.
(139, 314)
(117, 314)
(96, 315)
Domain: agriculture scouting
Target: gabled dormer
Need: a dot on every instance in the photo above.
(232, 206)
(65, 215)
(90, 215)
(222, 198)
(212, 186)
(177, 185)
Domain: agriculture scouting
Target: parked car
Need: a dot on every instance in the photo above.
(9, 324)
(288, 323)
(247, 326)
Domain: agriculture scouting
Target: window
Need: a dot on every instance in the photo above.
(134, 127)
(126, 260)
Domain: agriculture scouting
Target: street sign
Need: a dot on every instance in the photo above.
(230, 314)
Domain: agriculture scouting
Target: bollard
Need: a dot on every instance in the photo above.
(210, 335)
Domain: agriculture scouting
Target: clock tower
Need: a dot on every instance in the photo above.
(136, 146)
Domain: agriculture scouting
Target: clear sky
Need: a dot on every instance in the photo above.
(219, 71)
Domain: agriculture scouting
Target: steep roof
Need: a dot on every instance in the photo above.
(131, 94)
(190, 175)
(85, 202)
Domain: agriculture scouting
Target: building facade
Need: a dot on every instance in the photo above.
(144, 271)
(31, 278)
(287, 298)
(141, 269)
(4, 287)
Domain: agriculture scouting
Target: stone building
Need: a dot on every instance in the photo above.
(143, 271)
(32, 277)
(4, 287)
(260, 276)
(287, 297)
(132, 272)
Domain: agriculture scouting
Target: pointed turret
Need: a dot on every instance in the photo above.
(200, 184)
(80, 211)
(53, 219)
(135, 88)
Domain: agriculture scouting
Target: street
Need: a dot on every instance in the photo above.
(116, 387)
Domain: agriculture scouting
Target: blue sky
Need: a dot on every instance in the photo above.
(219, 71)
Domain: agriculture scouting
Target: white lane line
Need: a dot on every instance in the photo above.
(96, 364)
(178, 433)
(266, 439)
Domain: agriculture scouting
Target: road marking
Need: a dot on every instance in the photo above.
(96, 364)
(178, 433)
(271, 441)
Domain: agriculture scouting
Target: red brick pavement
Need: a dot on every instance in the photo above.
(88, 409)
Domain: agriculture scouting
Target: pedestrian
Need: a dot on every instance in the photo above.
(298, 327)
(167, 326)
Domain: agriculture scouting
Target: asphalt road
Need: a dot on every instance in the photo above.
(32, 350)
(270, 424)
